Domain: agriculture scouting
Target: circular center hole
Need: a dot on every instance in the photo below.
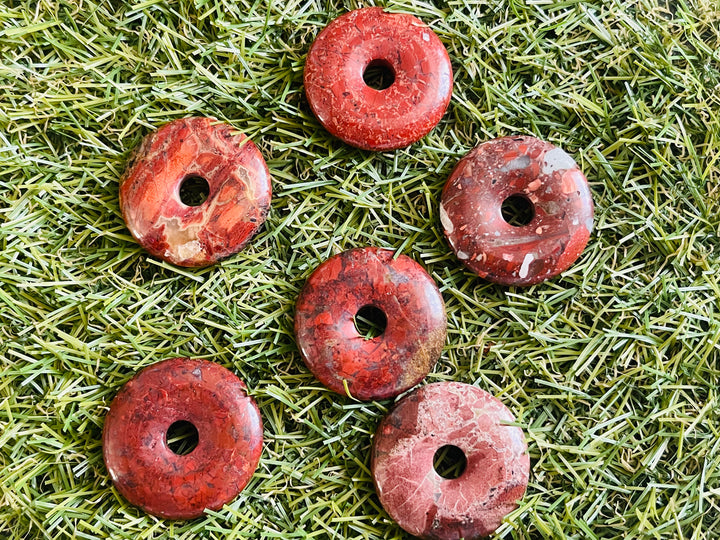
(194, 190)
(379, 74)
(370, 322)
(182, 437)
(449, 462)
(518, 210)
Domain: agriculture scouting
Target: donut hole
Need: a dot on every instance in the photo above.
(194, 190)
(449, 461)
(517, 210)
(182, 437)
(370, 322)
(379, 74)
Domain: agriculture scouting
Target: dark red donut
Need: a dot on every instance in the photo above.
(536, 171)
(420, 500)
(230, 435)
(388, 364)
(236, 206)
(359, 114)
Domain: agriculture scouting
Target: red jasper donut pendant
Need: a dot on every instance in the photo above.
(335, 351)
(540, 175)
(366, 117)
(223, 163)
(147, 472)
(496, 472)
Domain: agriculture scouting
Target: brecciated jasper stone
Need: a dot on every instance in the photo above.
(363, 116)
(495, 477)
(548, 180)
(204, 149)
(147, 472)
(390, 363)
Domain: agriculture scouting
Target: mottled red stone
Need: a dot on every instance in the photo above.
(549, 178)
(363, 116)
(150, 475)
(420, 500)
(388, 364)
(235, 209)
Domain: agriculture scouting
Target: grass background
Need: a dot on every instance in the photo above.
(612, 368)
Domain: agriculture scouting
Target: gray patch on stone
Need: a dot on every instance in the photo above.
(558, 160)
(521, 162)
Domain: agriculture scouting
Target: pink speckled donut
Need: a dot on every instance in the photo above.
(424, 503)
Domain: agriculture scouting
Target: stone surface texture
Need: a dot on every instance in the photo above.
(150, 475)
(549, 178)
(363, 116)
(390, 363)
(236, 207)
(416, 496)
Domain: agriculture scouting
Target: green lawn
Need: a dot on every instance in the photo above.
(613, 369)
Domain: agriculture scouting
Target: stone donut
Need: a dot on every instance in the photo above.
(230, 436)
(390, 363)
(541, 174)
(237, 203)
(360, 115)
(410, 489)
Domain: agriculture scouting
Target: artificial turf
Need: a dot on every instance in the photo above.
(612, 369)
